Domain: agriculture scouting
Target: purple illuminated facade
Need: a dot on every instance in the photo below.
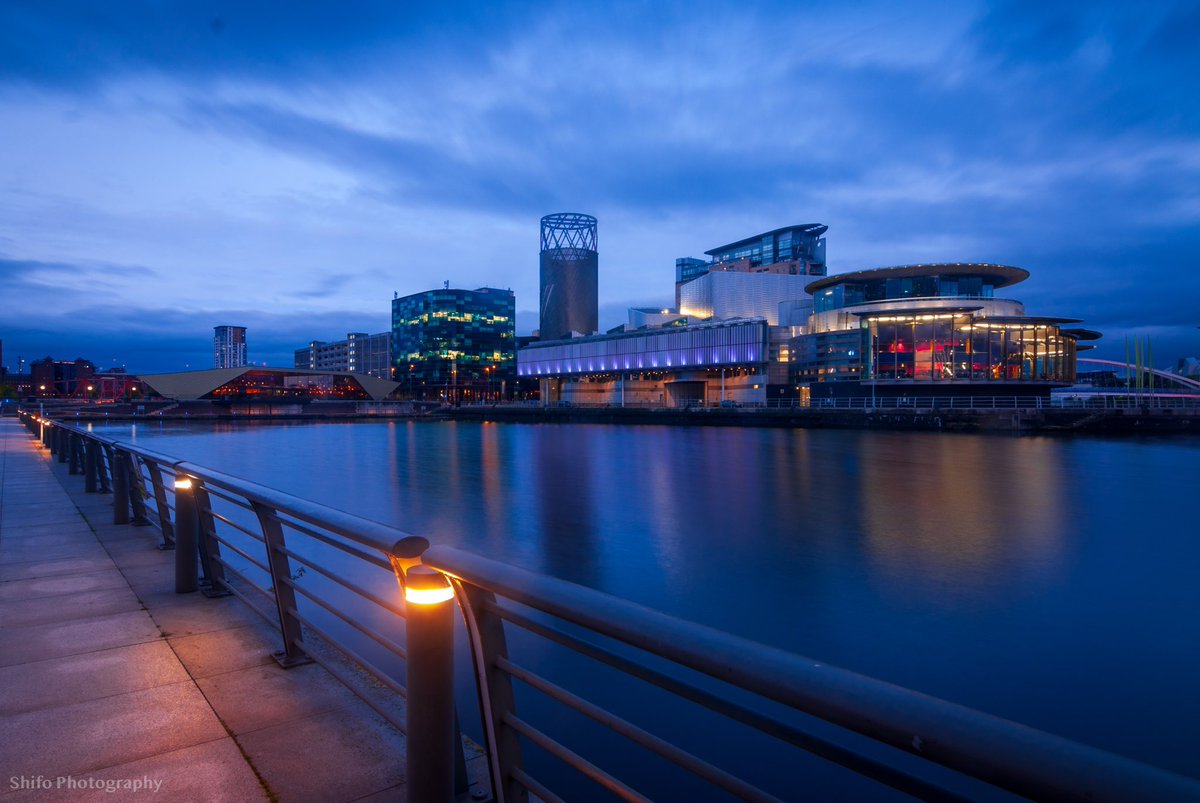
(672, 365)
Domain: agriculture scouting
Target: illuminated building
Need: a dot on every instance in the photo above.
(726, 340)
(922, 330)
(569, 267)
(50, 377)
(359, 353)
(669, 366)
(229, 346)
(267, 384)
(796, 251)
(455, 344)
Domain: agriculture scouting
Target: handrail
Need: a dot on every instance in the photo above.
(1008, 755)
(979, 746)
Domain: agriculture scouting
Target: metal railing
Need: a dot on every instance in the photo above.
(233, 534)
(1092, 401)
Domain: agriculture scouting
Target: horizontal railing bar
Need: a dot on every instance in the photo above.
(573, 759)
(344, 679)
(688, 761)
(379, 674)
(819, 746)
(375, 560)
(230, 498)
(273, 621)
(362, 592)
(360, 530)
(382, 641)
(239, 551)
(256, 536)
(535, 786)
(1003, 753)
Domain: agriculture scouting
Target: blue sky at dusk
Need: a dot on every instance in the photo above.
(167, 167)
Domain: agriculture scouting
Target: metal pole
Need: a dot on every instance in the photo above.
(186, 527)
(64, 444)
(120, 488)
(89, 466)
(429, 759)
(281, 579)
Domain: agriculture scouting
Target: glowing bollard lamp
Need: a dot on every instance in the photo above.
(429, 760)
(187, 528)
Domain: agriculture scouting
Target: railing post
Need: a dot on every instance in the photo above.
(137, 490)
(213, 584)
(53, 433)
(90, 459)
(485, 631)
(120, 487)
(160, 499)
(285, 595)
(103, 453)
(186, 548)
(73, 453)
(430, 723)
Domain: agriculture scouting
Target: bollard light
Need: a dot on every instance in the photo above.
(183, 483)
(424, 586)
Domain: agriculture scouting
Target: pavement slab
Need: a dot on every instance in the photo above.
(112, 686)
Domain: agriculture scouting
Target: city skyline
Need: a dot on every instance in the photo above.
(166, 170)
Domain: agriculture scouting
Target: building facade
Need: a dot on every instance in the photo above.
(750, 294)
(793, 250)
(359, 353)
(672, 366)
(939, 329)
(569, 276)
(455, 344)
(229, 346)
(62, 378)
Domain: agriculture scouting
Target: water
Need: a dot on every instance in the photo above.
(1051, 581)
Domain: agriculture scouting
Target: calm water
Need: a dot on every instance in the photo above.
(1052, 581)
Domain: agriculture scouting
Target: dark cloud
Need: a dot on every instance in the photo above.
(1063, 139)
(81, 43)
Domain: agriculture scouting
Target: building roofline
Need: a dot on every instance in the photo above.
(1007, 274)
(644, 331)
(813, 229)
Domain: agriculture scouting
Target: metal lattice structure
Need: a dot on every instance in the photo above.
(569, 267)
(569, 232)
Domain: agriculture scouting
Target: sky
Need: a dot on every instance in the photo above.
(166, 167)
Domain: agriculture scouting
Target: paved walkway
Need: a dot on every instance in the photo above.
(108, 679)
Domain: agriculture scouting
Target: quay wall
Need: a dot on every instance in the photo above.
(927, 419)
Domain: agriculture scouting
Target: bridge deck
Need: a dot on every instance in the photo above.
(107, 677)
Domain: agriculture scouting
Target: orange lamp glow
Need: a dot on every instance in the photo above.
(423, 586)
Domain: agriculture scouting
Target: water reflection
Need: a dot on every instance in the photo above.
(961, 518)
(928, 560)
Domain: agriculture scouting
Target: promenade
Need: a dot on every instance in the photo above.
(111, 682)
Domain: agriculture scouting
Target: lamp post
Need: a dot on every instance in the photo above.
(430, 753)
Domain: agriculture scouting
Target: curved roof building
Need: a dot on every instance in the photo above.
(935, 329)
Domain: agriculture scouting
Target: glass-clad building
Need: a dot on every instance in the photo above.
(455, 344)
(930, 330)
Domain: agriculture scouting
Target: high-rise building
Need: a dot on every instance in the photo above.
(455, 344)
(569, 276)
(229, 346)
(359, 353)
